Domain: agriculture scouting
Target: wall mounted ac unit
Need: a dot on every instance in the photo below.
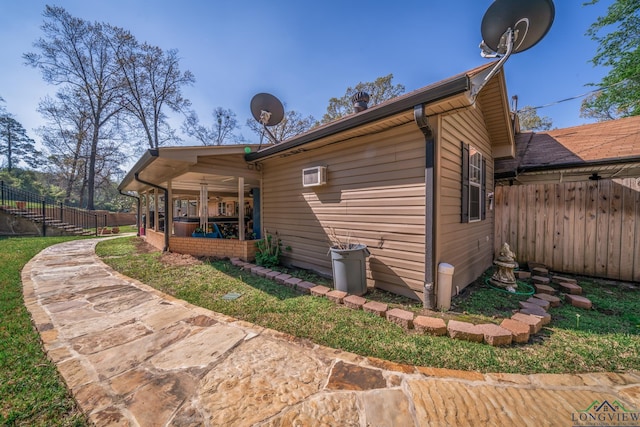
(314, 176)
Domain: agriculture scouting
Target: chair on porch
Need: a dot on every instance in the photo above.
(216, 232)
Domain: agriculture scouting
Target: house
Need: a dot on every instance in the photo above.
(571, 199)
(412, 178)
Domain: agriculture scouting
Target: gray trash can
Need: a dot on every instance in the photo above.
(350, 269)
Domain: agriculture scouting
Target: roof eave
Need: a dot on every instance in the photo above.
(541, 169)
(447, 88)
(145, 160)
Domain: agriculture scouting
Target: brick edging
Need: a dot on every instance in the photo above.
(490, 333)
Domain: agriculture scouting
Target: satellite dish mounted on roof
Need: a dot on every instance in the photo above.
(267, 110)
(513, 26)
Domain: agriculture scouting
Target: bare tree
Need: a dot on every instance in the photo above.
(152, 80)
(80, 55)
(220, 132)
(65, 136)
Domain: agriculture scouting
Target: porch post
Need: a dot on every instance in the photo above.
(168, 216)
(241, 207)
(204, 206)
(147, 220)
(156, 214)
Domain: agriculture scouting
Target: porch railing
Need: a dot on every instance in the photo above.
(49, 212)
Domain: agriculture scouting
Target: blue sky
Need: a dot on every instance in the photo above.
(307, 52)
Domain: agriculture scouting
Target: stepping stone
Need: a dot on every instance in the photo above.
(430, 325)
(561, 279)
(554, 301)
(570, 288)
(544, 289)
(544, 304)
(464, 331)
(535, 324)
(305, 287)
(540, 271)
(546, 318)
(354, 301)
(535, 310)
(531, 307)
(578, 301)
(519, 330)
(522, 275)
(377, 308)
(319, 291)
(533, 265)
(281, 278)
(401, 317)
(540, 280)
(336, 296)
(495, 335)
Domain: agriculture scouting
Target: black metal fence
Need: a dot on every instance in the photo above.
(49, 212)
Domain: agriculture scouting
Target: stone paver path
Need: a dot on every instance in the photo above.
(133, 356)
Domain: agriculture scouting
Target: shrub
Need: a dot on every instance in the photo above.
(269, 251)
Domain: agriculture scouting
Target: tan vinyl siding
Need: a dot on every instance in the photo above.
(374, 194)
(466, 246)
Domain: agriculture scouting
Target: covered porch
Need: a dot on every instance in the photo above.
(203, 201)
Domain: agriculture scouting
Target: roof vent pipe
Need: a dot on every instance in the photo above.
(360, 101)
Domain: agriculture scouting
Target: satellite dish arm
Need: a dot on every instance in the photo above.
(510, 38)
(273, 138)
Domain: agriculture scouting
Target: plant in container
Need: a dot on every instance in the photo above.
(198, 232)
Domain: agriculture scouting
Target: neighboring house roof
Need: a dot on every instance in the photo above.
(465, 85)
(607, 149)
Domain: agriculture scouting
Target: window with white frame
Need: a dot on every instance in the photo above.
(473, 184)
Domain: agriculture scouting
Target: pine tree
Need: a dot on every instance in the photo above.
(15, 145)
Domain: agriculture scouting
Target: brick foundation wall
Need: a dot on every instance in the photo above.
(221, 248)
(201, 246)
(155, 239)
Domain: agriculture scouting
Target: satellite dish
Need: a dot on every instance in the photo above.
(529, 21)
(512, 26)
(267, 110)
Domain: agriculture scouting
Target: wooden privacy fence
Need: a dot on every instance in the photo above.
(588, 228)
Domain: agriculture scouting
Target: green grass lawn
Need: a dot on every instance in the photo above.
(31, 391)
(604, 339)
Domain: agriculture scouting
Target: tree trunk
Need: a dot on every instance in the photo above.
(9, 151)
(91, 184)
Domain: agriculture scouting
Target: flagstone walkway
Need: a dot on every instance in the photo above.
(133, 356)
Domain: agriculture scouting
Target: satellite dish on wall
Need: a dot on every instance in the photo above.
(513, 26)
(529, 21)
(268, 111)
